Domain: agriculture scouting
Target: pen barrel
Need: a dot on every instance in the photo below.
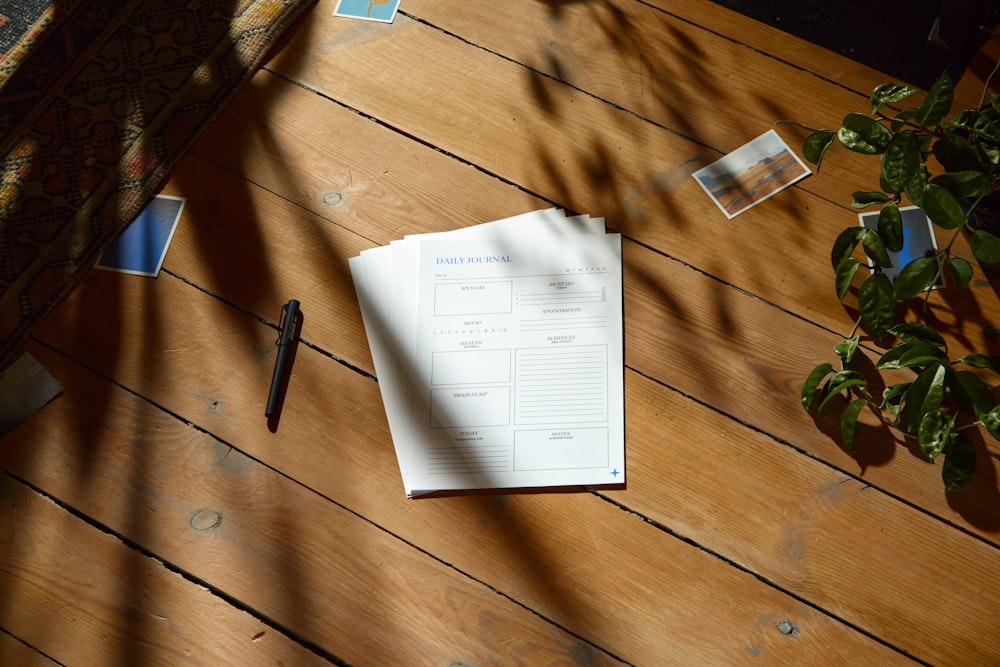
(277, 379)
(285, 338)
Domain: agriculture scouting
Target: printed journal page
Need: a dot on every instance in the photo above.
(519, 361)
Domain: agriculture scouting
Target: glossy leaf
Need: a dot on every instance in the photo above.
(837, 384)
(991, 422)
(925, 395)
(816, 144)
(964, 184)
(986, 361)
(915, 277)
(846, 349)
(908, 355)
(900, 161)
(890, 227)
(985, 246)
(890, 93)
(934, 433)
(917, 332)
(970, 392)
(845, 244)
(894, 395)
(863, 134)
(845, 276)
(937, 102)
(877, 305)
(955, 153)
(875, 249)
(942, 207)
(849, 422)
(864, 199)
(959, 463)
(917, 186)
(816, 376)
(960, 271)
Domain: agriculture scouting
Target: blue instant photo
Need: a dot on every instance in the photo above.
(141, 246)
(918, 239)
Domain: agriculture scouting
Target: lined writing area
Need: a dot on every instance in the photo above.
(468, 458)
(562, 298)
(566, 384)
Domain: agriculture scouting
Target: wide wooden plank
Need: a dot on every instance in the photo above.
(331, 577)
(13, 651)
(662, 295)
(233, 375)
(84, 597)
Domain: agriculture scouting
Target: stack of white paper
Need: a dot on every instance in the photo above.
(499, 355)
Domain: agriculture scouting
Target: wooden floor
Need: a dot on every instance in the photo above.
(148, 515)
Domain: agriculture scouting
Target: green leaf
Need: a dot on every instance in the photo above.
(849, 422)
(917, 186)
(863, 134)
(838, 383)
(964, 184)
(934, 433)
(942, 207)
(917, 332)
(845, 276)
(812, 382)
(986, 361)
(908, 355)
(937, 103)
(889, 93)
(980, 125)
(845, 244)
(955, 153)
(816, 144)
(890, 227)
(877, 305)
(959, 463)
(864, 199)
(925, 395)
(991, 422)
(894, 395)
(900, 161)
(970, 392)
(875, 249)
(960, 271)
(846, 349)
(915, 277)
(985, 246)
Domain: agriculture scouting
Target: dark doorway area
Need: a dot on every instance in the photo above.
(912, 41)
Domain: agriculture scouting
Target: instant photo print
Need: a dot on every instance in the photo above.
(750, 174)
(368, 10)
(141, 246)
(918, 239)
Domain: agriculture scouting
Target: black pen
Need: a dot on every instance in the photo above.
(290, 313)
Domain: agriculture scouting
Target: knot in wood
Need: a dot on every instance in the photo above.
(205, 519)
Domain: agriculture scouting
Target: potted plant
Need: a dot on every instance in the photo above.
(948, 164)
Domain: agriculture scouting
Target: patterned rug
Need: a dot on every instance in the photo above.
(98, 100)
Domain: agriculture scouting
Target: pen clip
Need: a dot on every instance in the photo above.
(281, 323)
